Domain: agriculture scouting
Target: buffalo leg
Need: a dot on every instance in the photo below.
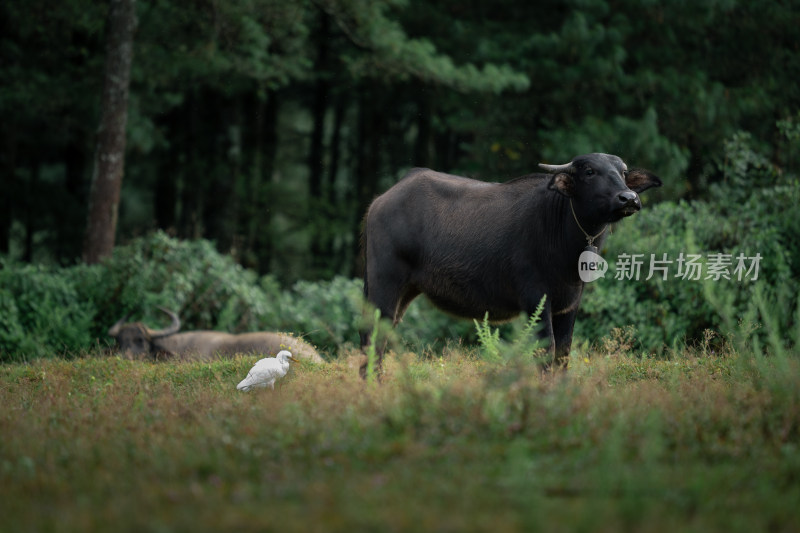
(563, 325)
(380, 348)
(386, 294)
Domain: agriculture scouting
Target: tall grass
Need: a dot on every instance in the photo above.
(698, 442)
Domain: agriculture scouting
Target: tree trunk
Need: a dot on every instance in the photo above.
(339, 111)
(69, 235)
(319, 109)
(221, 203)
(316, 166)
(8, 151)
(110, 155)
(31, 190)
(168, 174)
(260, 239)
(197, 152)
(333, 249)
(371, 122)
(422, 150)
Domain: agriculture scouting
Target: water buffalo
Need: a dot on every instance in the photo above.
(474, 247)
(136, 339)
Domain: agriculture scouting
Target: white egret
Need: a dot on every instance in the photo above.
(266, 371)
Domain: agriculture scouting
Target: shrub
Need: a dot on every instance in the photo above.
(207, 289)
(752, 211)
(42, 312)
(49, 311)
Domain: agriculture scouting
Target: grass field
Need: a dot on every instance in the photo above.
(700, 442)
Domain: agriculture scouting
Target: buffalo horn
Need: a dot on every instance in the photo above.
(113, 331)
(169, 330)
(555, 168)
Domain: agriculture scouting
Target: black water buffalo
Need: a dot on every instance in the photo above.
(137, 340)
(474, 247)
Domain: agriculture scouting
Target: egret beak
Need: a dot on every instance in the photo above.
(293, 359)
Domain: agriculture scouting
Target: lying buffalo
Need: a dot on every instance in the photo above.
(136, 339)
(474, 247)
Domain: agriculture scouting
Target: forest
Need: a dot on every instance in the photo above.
(266, 127)
(216, 158)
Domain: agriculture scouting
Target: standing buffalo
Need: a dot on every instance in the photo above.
(136, 339)
(474, 247)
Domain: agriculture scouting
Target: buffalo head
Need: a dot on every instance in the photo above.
(136, 339)
(601, 186)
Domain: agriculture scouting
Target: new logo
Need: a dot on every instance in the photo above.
(591, 266)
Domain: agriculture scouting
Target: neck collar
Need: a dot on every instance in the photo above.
(589, 238)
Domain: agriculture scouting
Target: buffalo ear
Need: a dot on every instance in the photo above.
(563, 183)
(639, 180)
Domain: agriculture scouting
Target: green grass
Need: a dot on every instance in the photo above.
(616, 443)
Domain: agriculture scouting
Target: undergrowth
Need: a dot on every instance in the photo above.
(523, 344)
(700, 441)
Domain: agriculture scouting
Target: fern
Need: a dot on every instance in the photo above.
(489, 339)
(524, 344)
